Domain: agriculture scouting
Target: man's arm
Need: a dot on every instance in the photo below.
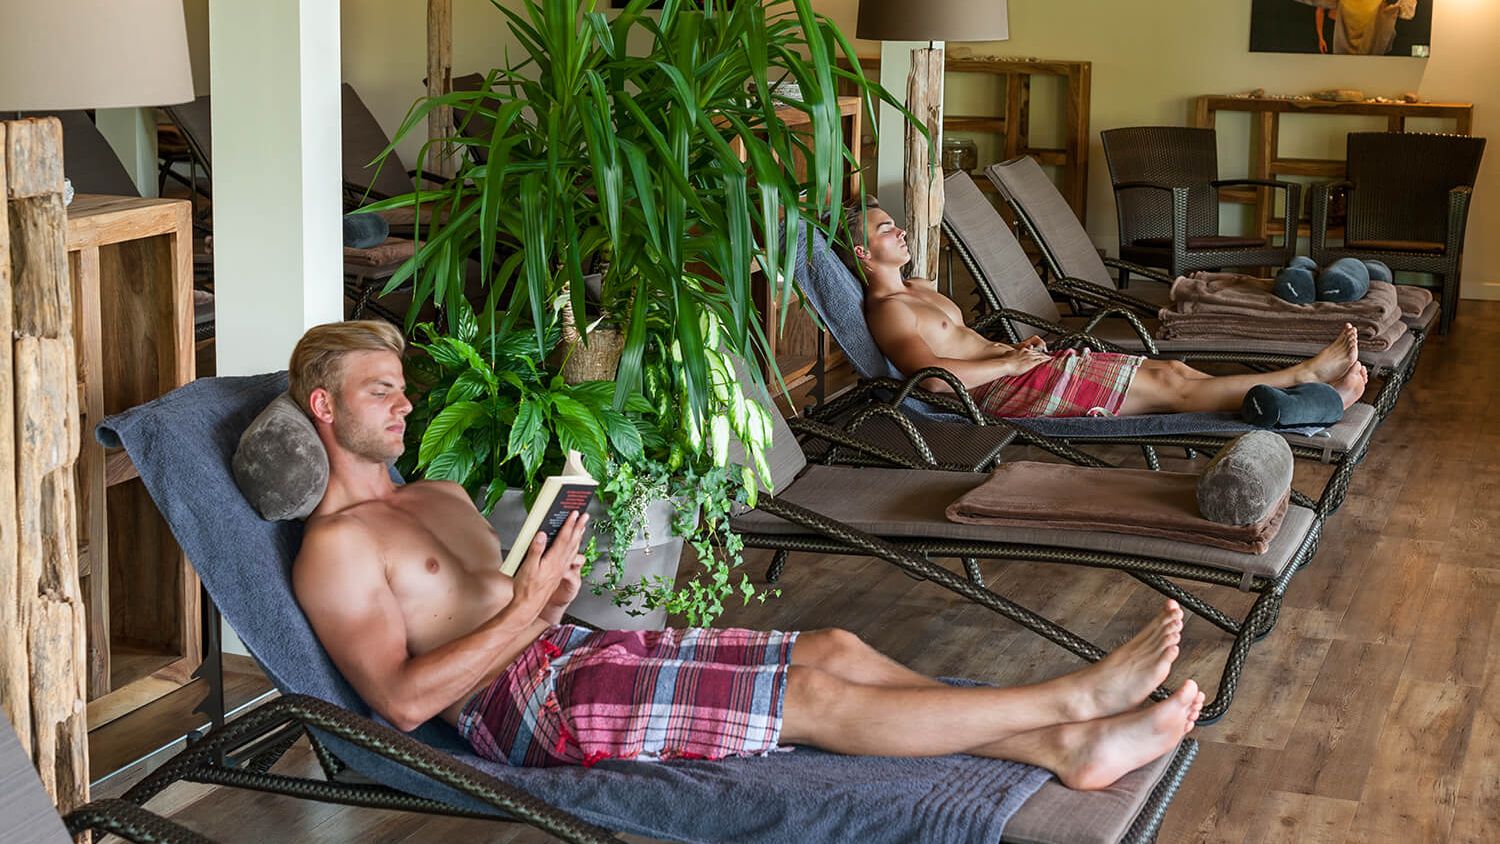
(339, 580)
(898, 334)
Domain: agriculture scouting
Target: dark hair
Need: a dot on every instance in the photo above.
(852, 231)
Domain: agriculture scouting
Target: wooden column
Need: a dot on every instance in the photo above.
(924, 184)
(439, 82)
(41, 611)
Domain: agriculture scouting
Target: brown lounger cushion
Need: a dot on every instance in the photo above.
(1131, 501)
(393, 251)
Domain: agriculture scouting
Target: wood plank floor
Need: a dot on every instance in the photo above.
(1371, 713)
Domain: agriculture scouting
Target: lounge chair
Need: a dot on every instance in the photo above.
(898, 515)
(1076, 270)
(836, 296)
(182, 443)
(28, 816)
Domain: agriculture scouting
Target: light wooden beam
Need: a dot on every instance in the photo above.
(924, 185)
(439, 82)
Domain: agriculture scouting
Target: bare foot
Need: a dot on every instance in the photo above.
(1351, 385)
(1335, 358)
(1128, 674)
(1098, 753)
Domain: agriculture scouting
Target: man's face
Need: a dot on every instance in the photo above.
(886, 244)
(369, 411)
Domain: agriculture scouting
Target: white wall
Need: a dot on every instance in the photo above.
(385, 54)
(1150, 59)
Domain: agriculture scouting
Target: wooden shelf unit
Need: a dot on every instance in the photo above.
(1265, 133)
(130, 261)
(1013, 116)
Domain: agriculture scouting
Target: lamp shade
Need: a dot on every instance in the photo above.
(73, 54)
(933, 20)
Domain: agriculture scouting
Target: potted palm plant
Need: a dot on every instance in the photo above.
(648, 146)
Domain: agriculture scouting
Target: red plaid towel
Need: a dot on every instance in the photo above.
(577, 696)
(1073, 383)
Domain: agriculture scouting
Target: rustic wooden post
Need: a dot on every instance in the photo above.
(42, 635)
(439, 82)
(924, 186)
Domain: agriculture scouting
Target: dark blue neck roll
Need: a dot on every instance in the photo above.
(1304, 404)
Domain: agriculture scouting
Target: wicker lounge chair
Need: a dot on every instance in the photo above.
(1077, 271)
(1166, 183)
(836, 296)
(897, 515)
(182, 444)
(28, 816)
(1409, 196)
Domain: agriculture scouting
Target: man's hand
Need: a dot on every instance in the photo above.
(542, 575)
(1034, 342)
(1020, 360)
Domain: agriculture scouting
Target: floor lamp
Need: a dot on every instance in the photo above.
(933, 21)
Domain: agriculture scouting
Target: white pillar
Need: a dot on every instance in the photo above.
(131, 133)
(278, 176)
(277, 180)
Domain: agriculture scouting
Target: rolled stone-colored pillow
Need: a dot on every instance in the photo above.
(1344, 280)
(1296, 285)
(1246, 479)
(1379, 271)
(280, 464)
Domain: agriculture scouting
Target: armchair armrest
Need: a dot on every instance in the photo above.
(1137, 269)
(1143, 184)
(1264, 183)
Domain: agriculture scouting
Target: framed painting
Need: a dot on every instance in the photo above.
(1342, 27)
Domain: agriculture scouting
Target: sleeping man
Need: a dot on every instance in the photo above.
(917, 327)
(402, 585)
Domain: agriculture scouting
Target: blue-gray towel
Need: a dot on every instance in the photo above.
(182, 444)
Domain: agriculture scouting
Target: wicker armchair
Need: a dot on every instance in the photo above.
(1408, 197)
(1166, 183)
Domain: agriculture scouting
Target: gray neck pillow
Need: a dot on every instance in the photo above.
(1246, 480)
(280, 464)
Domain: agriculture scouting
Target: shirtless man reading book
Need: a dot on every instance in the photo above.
(403, 587)
(917, 327)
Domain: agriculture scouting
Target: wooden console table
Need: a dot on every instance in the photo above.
(132, 271)
(1267, 163)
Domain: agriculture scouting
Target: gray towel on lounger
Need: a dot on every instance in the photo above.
(182, 444)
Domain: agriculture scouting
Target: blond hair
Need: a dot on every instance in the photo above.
(318, 359)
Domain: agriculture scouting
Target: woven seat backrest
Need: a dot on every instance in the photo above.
(1003, 266)
(1402, 180)
(838, 298)
(1065, 243)
(1176, 156)
(194, 120)
(473, 124)
(364, 141)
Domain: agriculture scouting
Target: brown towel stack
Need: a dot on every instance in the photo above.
(1234, 307)
(1412, 300)
(1131, 501)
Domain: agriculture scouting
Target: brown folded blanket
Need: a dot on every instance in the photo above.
(1231, 306)
(1139, 502)
(1412, 300)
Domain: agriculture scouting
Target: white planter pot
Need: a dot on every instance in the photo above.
(654, 553)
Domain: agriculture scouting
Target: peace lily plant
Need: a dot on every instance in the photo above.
(645, 146)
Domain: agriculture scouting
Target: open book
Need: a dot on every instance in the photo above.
(560, 495)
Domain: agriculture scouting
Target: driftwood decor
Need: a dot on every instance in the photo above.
(41, 610)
